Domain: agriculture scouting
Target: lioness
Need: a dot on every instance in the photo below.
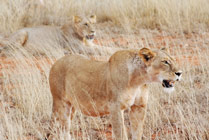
(70, 36)
(98, 88)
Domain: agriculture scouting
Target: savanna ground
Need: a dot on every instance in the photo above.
(179, 25)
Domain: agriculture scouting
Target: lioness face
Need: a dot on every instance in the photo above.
(84, 27)
(162, 68)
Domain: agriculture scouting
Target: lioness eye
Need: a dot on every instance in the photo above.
(86, 24)
(166, 62)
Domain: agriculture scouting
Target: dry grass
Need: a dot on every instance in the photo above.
(25, 99)
(175, 15)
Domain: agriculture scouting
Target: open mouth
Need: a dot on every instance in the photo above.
(90, 37)
(168, 83)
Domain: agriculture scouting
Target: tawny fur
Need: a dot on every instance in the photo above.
(109, 87)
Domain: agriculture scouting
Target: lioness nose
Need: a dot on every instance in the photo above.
(178, 73)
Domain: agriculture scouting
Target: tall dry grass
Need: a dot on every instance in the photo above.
(25, 99)
(176, 15)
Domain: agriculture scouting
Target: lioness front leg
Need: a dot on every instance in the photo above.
(138, 113)
(117, 121)
(137, 116)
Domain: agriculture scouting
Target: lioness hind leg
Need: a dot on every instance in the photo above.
(20, 37)
(62, 113)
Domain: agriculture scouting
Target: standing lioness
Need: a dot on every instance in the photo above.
(99, 88)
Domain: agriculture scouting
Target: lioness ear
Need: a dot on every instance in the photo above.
(76, 19)
(146, 54)
(93, 19)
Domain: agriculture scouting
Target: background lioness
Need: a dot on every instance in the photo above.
(98, 88)
(72, 37)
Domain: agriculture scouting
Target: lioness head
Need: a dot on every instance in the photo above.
(84, 28)
(161, 67)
